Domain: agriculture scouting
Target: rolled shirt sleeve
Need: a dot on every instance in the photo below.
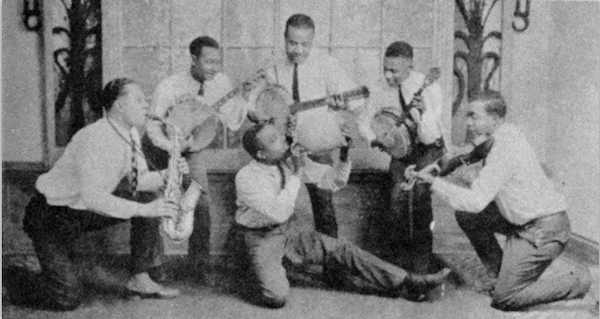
(233, 112)
(493, 176)
(150, 181)
(161, 101)
(430, 130)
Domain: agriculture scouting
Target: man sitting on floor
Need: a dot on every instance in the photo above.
(267, 189)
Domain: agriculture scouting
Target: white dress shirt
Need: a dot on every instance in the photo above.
(93, 164)
(170, 90)
(382, 95)
(512, 176)
(319, 75)
(262, 202)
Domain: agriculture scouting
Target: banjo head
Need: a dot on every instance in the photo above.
(395, 139)
(195, 118)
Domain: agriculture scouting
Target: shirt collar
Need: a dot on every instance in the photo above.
(271, 169)
(502, 129)
(118, 126)
(123, 131)
(411, 80)
(308, 60)
(189, 74)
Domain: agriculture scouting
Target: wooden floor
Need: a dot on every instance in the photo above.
(214, 295)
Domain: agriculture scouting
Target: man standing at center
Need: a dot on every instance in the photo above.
(311, 75)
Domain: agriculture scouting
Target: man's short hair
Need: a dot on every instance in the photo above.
(399, 49)
(250, 141)
(201, 42)
(300, 21)
(494, 102)
(112, 91)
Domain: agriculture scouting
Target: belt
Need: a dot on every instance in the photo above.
(439, 143)
(258, 229)
(546, 228)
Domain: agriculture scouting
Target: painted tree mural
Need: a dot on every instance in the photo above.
(79, 66)
(470, 69)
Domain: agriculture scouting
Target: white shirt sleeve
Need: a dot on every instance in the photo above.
(430, 126)
(103, 160)
(338, 81)
(499, 168)
(150, 181)
(373, 104)
(327, 177)
(163, 98)
(233, 112)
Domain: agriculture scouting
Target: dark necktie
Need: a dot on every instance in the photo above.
(295, 93)
(201, 89)
(133, 181)
(282, 173)
(402, 101)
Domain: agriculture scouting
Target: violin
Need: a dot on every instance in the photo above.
(479, 153)
(444, 168)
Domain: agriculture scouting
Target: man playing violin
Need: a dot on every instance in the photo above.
(512, 195)
(407, 126)
(203, 83)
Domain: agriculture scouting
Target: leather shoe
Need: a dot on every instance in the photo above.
(143, 286)
(418, 286)
(159, 274)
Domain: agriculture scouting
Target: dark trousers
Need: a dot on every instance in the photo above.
(411, 210)
(54, 229)
(528, 251)
(270, 249)
(321, 201)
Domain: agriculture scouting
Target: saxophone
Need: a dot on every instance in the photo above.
(179, 228)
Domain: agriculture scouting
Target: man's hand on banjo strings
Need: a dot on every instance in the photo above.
(345, 149)
(336, 102)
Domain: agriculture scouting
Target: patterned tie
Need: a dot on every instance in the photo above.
(295, 93)
(201, 89)
(133, 181)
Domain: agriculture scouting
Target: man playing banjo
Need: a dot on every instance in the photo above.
(406, 125)
(200, 88)
(309, 75)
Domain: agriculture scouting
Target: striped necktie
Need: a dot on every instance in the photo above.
(133, 176)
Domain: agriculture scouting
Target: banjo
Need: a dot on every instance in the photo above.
(396, 129)
(200, 120)
(317, 133)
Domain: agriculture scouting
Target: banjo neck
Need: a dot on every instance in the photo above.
(237, 90)
(362, 91)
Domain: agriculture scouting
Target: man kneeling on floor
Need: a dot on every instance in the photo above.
(511, 195)
(93, 186)
(267, 189)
